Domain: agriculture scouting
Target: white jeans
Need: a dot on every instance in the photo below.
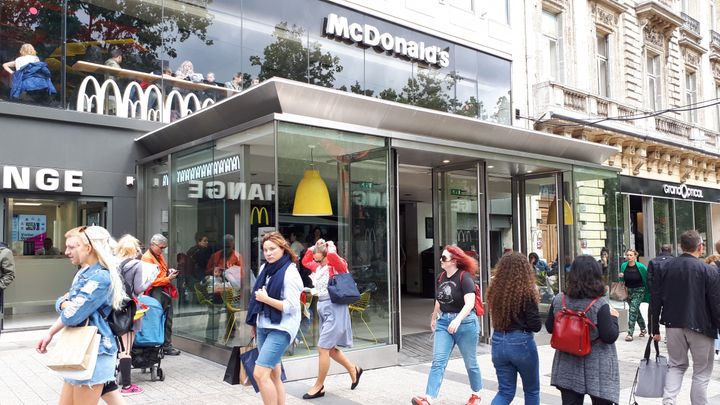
(702, 348)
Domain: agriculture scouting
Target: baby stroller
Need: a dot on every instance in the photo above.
(147, 349)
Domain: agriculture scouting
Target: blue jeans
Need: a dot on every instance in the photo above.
(466, 338)
(512, 353)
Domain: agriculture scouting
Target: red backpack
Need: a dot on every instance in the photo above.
(571, 331)
(479, 307)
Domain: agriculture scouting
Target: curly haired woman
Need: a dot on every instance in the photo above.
(455, 323)
(513, 301)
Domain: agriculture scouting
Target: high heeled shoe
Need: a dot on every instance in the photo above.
(358, 373)
(319, 394)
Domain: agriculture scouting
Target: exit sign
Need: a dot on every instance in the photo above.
(457, 191)
(365, 185)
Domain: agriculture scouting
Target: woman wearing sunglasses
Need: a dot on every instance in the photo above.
(455, 323)
(97, 287)
(335, 327)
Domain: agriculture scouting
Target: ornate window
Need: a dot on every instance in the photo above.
(602, 56)
(550, 45)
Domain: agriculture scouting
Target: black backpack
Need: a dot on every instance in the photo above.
(121, 320)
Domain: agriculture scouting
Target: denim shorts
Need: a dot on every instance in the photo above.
(104, 371)
(272, 343)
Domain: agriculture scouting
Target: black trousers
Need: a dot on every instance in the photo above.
(573, 398)
(166, 302)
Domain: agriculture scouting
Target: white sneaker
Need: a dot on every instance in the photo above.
(717, 356)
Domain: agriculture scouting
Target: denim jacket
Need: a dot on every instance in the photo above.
(90, 298)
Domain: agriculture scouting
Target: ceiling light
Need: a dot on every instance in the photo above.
(529, 171)
(491, 167)
(312, 197)
(28, 204)
(446, 161)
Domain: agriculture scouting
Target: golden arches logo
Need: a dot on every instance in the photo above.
(258, 212)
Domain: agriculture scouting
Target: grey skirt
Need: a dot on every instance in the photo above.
(335, 326)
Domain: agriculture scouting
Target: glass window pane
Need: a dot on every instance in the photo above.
(684, 219)
(20, 25)
(701, 225)
(664, 223)
(353, 167)
(550, 24)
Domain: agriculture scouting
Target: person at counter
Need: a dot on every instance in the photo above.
(227, 259)
(48, 249)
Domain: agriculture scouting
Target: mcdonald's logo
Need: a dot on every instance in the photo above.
(258, 212)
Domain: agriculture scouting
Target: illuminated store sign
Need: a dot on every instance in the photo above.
(368, 35)
(32, 179)
(218, 190)
(682, 191)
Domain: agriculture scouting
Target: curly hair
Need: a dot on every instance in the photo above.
(511, 287)
(464, 262)
(585, 278)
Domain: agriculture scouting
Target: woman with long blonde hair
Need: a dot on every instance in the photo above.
(96, 289)
(513, 301)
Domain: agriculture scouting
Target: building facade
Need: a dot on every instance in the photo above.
(650, 90)
(405, 112)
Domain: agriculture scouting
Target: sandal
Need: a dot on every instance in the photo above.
(643, 333)
(628, 338)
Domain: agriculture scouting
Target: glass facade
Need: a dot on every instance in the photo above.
(216, 200)
(177, 55)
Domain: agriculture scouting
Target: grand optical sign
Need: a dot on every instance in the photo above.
(369, 35)
(43, 179)
(682, 191)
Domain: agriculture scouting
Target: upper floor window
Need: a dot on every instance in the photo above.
(717, 107)
(550, 48)
(654, 80)
(602, 57)
(685, 6)
(691, 96)
(463, 4)
(713, 23)
(499, 12)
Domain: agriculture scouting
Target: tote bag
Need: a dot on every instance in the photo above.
(342, 289)
(650, 375)
(82, 375)
(618, 291)
(73, 351)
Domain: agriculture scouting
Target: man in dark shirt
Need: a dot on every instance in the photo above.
(686, 297)
(653, 266)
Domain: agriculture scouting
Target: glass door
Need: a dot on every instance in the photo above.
(460, 214)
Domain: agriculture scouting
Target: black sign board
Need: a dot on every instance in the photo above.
(638, 185)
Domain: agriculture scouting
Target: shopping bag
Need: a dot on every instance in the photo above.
(342, 289)
(234, 372)
(650, 375)
(618, 291)
(248, 360)
(83, 375)
(73, 348)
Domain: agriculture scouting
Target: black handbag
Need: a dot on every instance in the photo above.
(121, 320)
(232, 372)
(342, 289)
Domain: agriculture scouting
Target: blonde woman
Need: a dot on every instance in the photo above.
(127, 252)
(95, 289)
(27, 55)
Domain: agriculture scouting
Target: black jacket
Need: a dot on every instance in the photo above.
(653, 267)
(685, 293)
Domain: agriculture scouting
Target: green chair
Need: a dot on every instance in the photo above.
(359, 307)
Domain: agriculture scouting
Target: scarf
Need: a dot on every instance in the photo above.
(274, 286)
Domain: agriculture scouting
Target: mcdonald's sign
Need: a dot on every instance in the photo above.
(256, 215)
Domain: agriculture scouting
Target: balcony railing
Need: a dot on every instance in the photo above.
(690, 24)
(560, 99)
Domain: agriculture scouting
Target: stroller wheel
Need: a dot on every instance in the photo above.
(161, 374)
(153, 374)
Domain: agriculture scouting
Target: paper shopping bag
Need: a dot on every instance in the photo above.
(73, 350)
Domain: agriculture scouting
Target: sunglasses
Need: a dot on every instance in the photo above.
(82, 231)
(445, 258)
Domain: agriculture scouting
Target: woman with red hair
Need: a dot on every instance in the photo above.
(455, 323)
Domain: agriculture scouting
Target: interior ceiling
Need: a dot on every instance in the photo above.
(415, 180)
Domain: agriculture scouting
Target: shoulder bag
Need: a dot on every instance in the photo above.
(618, 291)
(650, 375)
(342, 289)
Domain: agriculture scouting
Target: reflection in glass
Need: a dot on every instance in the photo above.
(700, 211)
(664, 224)
(542, 234)
(684, 219)
(354, 167)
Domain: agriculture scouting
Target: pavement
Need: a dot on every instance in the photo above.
(24, 379)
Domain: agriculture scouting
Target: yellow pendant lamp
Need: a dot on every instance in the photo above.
(312, 198)
(567, 213)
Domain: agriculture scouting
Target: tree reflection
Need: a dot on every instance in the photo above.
(288, 57)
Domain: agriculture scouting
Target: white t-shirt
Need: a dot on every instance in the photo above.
(24, 60)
